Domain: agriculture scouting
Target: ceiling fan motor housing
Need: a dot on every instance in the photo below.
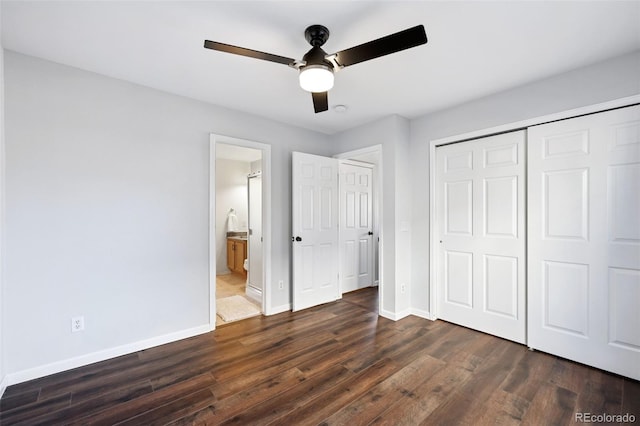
(316, 35)
(317, 56)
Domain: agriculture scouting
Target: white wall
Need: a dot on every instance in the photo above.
(231, 193)
(613, 79)
(107, 211)
(393, 134)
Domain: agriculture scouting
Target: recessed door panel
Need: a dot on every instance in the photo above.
(566, 145)
(624, 315)
(624, 199)
(364, 267)
(501, 285)
(350, 209)
(501, 207)
(566, 297)
(307, 215)
(459, 161)
(349, 259)
(458, 201)
(626, 137)
(500, 156)
(365, 212)
(459, 278)
(566, 202)
(327, 208)
(306, 268)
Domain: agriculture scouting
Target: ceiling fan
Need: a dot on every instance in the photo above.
(317, 67)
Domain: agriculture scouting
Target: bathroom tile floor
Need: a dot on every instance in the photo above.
(229, 285)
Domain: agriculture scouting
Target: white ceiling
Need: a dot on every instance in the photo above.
(475, 48)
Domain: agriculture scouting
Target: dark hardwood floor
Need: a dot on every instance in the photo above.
(335, 364)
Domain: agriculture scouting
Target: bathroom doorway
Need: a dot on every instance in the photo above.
(237, 237)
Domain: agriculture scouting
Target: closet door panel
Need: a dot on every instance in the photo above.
(584, 239)
(481, 263)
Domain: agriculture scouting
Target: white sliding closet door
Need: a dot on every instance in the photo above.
(481, 232)
(584, 239)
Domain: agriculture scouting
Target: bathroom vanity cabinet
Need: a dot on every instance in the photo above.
(236, 254)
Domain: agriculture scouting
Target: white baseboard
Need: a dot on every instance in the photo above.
(3, 385)
(395, 316)
(254, 294)
(422, 314)
(278, 309)
(82, 360)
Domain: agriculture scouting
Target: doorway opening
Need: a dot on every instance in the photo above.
(371, 157)
(239, 229)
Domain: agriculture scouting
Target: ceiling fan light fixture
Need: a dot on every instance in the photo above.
(316, 78)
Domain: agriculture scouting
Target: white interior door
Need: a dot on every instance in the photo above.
(356, 228)
(315, 230)
(584, 239)
(481, 232)
(255, 233)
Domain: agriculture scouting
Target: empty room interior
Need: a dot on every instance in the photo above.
(311, 212)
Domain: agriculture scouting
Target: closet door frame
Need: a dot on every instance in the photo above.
(519, 125)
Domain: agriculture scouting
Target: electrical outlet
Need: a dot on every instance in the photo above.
(77, 324)
(281, 285)
(402, 288)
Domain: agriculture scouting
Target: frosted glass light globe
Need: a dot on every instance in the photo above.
(316, 78)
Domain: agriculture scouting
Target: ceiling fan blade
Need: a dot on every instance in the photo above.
(396, 42)
(320, 101)
(222, 47)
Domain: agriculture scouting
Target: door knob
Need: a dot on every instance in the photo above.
(370, 233)
(298, 239)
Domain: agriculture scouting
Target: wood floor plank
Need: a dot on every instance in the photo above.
(135, 407)
(17, 399)
(415, 407)
(276, 354)
(26, 412)
(250, 378)
(294, 397)
(337, 363)
(375, 401)
(602, 393)
(99, 403)
(503, 408)
(58, 384)
(569, 375)
(529, 375)
(384, 347)
(477, 391)
(554, 404)
(631, 398)
(330, 401)
(176, 409)
(291, 329)
(245, 400)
